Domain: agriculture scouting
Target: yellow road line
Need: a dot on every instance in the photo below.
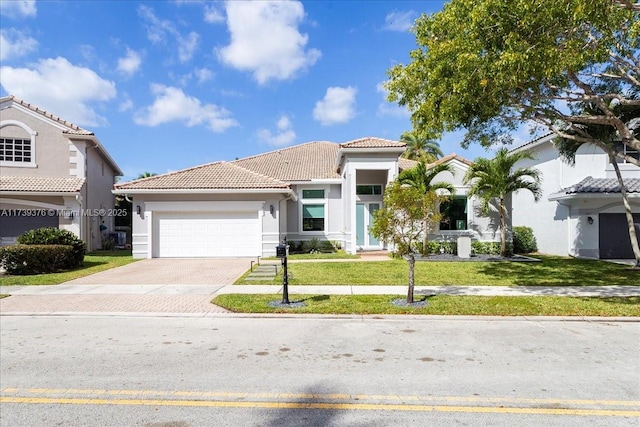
(319, 405)
(320, 396)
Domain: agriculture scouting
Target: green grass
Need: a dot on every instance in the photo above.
(438, 305)
(93, 263)
(552, 271)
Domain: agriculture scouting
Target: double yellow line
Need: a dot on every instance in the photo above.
(576, 407)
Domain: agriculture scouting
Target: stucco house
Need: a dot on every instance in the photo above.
(321, 190)
(52, 173)
(581, 212)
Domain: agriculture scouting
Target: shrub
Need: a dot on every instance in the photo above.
(108, 244)
(489, 248)
(311, 246)
(439, 247)
(56, 236)
(524, 241)
(35, 259)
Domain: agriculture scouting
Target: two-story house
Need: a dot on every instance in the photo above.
(581, 212)
(52, 173)
(321, 190)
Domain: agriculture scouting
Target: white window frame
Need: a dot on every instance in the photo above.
(32, 138)
(323, 201)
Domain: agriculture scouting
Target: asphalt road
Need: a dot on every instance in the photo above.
(302, 371)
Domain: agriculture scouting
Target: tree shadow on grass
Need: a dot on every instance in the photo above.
(558, 271)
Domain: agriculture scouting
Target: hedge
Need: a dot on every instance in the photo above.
(57, 236)
(35, 259)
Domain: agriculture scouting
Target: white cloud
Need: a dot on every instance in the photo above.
(14, 44)
(399, 21)
(283, 136)
(171, 104)
(337, 106)
(203, 74)
(125, 105)
(265, 39)
(164, 31)
(18, 8)
(212, 15)
(61, 88)
(187, 46)
(130, 63)
(386, 108)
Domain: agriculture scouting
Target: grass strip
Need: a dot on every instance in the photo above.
(439, 305)
(94, 262)
(552, 271)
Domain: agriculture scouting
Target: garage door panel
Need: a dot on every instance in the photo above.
(208, 234)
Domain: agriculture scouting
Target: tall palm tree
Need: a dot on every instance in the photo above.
(420, 147)
(420, 177)
(496, 179)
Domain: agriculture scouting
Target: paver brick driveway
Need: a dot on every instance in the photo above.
(171, 271)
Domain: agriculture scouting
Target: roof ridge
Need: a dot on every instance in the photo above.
(282, 149)
(275, 180)
(371, 137)
(45, 113)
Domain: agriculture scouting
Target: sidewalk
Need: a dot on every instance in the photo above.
(195, 300)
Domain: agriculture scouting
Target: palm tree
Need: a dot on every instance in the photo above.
(420, 148)
(146, 175)
(496, 179)
(420, 177)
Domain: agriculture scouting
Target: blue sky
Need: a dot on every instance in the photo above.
(167, 85)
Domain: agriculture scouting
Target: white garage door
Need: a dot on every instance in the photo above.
(206, 234)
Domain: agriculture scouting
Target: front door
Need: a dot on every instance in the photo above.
(364, 220)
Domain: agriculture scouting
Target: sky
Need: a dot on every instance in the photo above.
(167, 85)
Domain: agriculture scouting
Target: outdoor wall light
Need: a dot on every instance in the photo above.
(271, 209)
(590, 220)
(138, 210)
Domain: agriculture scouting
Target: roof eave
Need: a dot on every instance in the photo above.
(38, 193)
(132, 191)
(573, 196)
(101, 149)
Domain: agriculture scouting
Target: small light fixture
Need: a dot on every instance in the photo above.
(590, 220)
(138, 210)
(271, 209)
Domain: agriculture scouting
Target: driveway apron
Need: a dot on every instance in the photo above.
(166, 285)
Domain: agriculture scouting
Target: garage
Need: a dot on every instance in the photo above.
(206, 234)
(12, 226)
(614, 236)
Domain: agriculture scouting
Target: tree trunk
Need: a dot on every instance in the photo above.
(425, 238)
(412, 265)
(627, 210)
(503, 229)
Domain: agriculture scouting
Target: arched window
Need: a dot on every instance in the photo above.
(15, 149)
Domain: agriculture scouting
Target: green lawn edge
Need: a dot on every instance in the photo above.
(552, 271)
(94, 262)
(437, 305)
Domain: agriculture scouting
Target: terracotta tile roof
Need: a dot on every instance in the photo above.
(450, 157)
(371, 142)
(73, 129)
(313, 160)
(212, 176)
(602, 185)
(41, 184)
(406, 163)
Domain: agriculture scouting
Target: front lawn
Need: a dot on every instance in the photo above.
(93, 263)
(438, 305)
(552, 271)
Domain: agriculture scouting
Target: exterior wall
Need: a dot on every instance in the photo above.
(334, 223)
(562, 227)
(51, 146)
(98, 197)
(142, 225)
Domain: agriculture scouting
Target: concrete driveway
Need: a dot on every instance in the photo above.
(171, 271)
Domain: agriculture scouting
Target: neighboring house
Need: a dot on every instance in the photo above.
(52, 173)
(246, 207)
(581, 212)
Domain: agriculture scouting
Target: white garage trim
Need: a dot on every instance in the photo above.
(203, 206)
(207, 234)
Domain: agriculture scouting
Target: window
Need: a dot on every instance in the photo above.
(312, 217)
(625, 149)
(368, 190)
(313, 194)
(454, 214)
(15, 150)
